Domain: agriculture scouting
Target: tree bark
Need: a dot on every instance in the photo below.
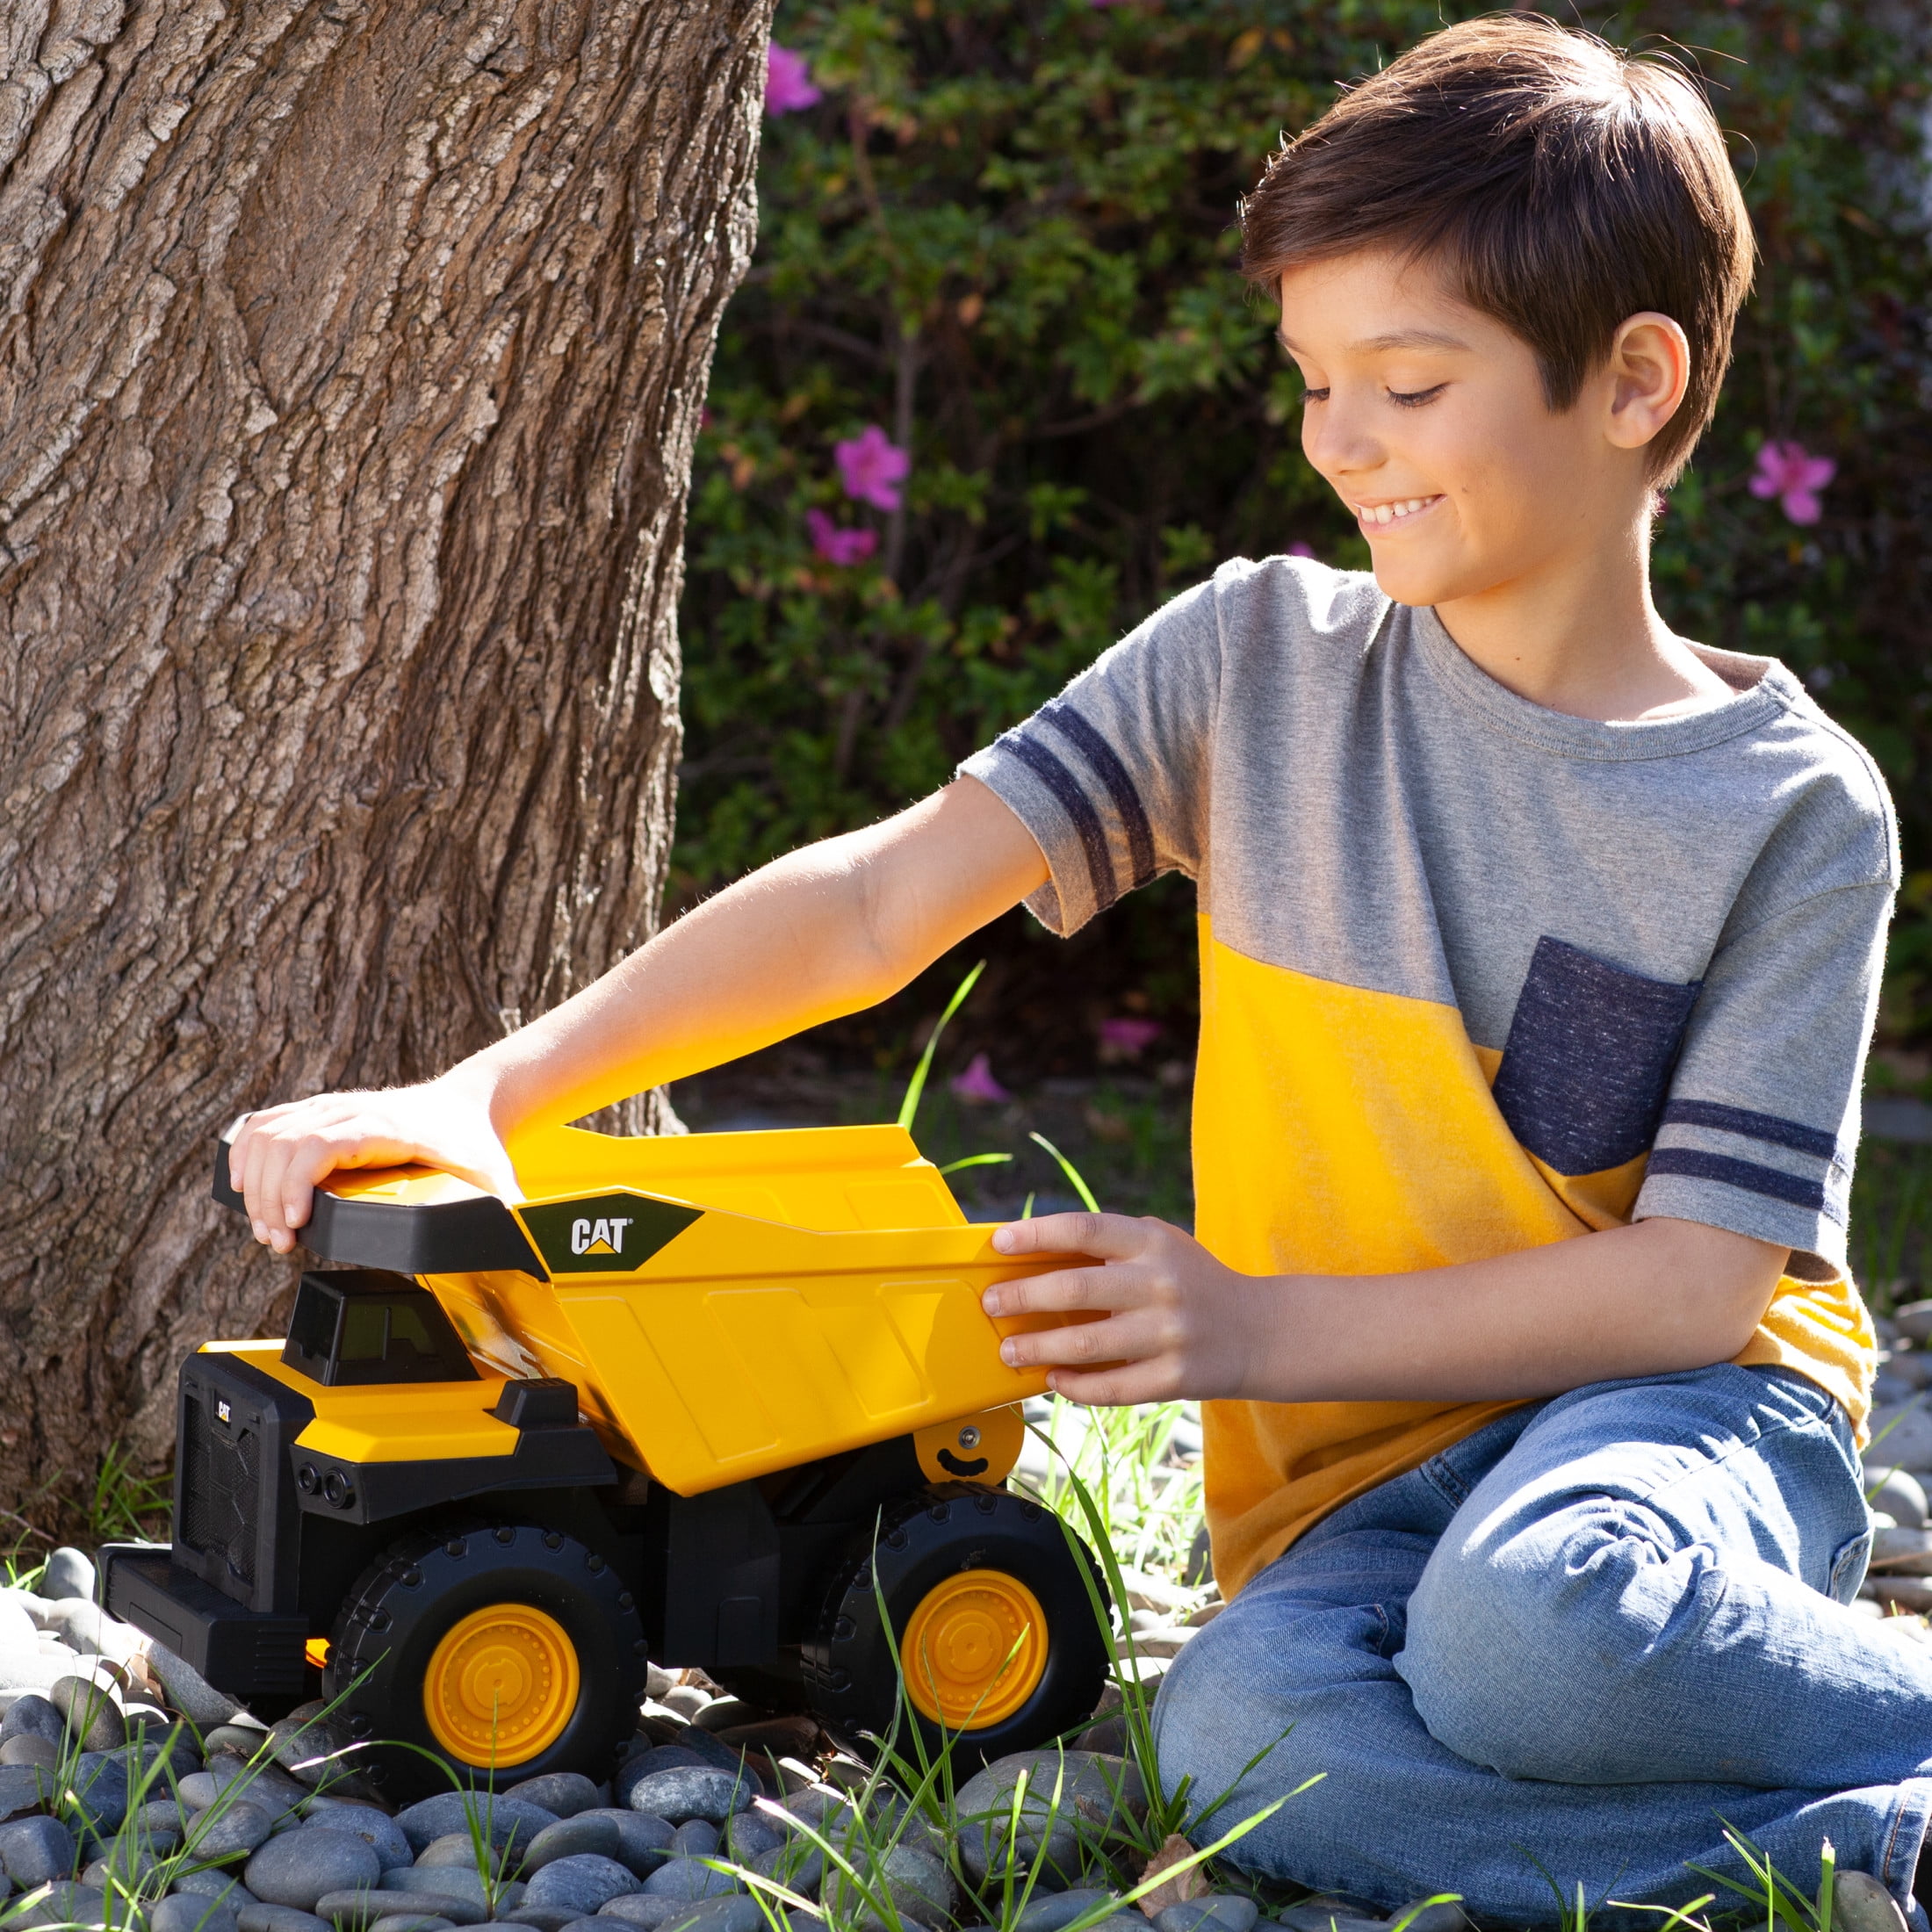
(351, 353)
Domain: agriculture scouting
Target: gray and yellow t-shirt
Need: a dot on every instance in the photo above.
(1475, 975)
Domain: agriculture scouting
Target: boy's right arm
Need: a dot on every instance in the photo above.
(823, 932)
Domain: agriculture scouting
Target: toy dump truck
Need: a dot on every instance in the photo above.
(711, 1400)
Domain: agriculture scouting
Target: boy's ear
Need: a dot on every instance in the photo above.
(1649, 370)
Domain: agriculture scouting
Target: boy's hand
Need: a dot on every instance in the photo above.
(1176, 1322)
(278, 1155)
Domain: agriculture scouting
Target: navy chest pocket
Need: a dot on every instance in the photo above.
(1588, 1062)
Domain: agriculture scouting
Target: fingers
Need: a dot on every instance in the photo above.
(1113, 1237)
(285, 1151)
(1130, 1336)
(1066, 1291)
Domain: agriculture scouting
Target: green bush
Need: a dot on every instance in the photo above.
(1005, 236)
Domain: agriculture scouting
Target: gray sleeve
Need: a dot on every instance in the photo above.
(1111, 777)
(1762, 1121)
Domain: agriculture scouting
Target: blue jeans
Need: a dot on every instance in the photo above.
(1586, 1639)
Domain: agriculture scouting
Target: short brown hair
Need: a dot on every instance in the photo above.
(1562, 184)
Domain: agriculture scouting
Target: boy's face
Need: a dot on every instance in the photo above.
(1430, 421)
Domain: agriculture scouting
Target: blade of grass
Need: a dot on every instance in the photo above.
(909, 1106)
(975, 1160)
(1072, 1173)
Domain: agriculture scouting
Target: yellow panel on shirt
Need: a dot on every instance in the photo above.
(1343, 1131)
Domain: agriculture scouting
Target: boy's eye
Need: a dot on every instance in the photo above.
(1314, 395)
(1414, 399)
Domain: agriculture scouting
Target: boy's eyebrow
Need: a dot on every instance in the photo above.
(1400, 338)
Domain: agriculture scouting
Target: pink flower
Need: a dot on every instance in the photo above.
(1301, 550)
(872, 467)
(788, 82)
(1791, 473)
(843, 547)
(977, 1082)
(1127, 1039)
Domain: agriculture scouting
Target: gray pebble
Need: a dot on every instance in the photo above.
(30, 1753)
(659, 1758)
(1326, 1918)
(749, 1834)
(918, 1884)
(279, 1918)
(564, 1792)
(1099, 1797)
(695, 1838)
(1445, 1917)
(24, 1787)
(499, 1818)
(454, 1881)
(99, 1789)
(457, 1848)
(1897, 1492)
(546, 1917)
(189, 1691)
(1229, 1913)
(35, 1851)
(361, 1909)
(798, 1864)
(644, 1842)
(1048, 1910)
(640, 1909)
(739, 1913)
(69, 1572)
(31, 1715)
(1860, 1903)
(68, 1904)
(242, 1740)
(412, 1921)
(686, 1878)
(184, 1912)
(376, 1829)
(582, 1883)
(692, 1792)
(570, 1836)
(229, 1829)
(213, 1884)
(299, 1867)
(1109, 1735)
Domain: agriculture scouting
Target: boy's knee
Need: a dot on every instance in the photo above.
(1525, 1648)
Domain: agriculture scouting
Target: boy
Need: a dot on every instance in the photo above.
(1539, 950)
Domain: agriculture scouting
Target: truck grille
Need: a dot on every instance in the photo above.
(220, 1490)
(236, 1518)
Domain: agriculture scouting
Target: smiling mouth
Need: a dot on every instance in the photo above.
(1380, 516)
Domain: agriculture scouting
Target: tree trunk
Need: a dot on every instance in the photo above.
(350, 357)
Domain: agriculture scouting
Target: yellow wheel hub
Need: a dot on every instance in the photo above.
(975, 1650)
(502, 1685)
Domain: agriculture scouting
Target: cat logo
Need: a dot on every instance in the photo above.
(222, 1412)
(605, 1236)
(615, 1233)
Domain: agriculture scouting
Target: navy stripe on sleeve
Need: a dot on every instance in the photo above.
(1077, 806)
(1694, 1165)
(1757, 1127)
(1114, 775)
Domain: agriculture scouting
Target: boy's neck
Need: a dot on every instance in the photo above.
(1582, 636)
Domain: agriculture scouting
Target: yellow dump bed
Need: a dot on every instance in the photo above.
(731, 1304)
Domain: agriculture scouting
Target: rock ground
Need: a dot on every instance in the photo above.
(199, 1818)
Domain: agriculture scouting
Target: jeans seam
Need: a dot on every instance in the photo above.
(1440, 1477)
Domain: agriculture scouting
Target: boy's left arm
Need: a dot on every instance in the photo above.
(1646, 1300)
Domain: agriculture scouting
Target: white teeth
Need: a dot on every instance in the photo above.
(1390, 513)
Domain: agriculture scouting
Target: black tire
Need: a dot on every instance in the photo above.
(848, 1664)
(408, 1600)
